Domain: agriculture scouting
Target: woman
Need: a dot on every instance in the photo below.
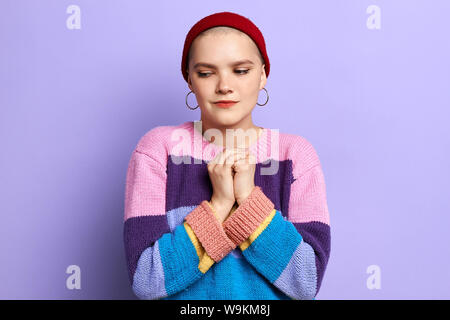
(205, 217)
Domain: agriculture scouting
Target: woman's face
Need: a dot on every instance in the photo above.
(215, 75)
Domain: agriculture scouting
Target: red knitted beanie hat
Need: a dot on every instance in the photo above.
(228, 19)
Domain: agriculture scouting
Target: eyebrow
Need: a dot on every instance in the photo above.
(209, 65)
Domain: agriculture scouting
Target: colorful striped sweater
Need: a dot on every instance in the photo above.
(275, 245)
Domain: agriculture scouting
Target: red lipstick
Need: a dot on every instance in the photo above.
(225, 103)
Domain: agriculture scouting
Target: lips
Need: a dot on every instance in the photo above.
(225, 103)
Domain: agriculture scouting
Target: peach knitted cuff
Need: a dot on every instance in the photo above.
(209, 231)
(248, 216)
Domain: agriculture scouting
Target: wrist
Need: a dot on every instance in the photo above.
(248, 216)
(242, 199)
(221, 209)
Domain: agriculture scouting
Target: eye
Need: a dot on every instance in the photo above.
(203, 74)
(206, 74)
(242, 71)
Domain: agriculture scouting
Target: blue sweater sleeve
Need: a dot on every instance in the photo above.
(291, 255)
(160, 262)
(171, 264)
(278, 251)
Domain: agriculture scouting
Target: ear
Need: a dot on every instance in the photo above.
(263, 81)
(189, 81)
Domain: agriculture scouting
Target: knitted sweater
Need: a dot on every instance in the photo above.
(274, 245)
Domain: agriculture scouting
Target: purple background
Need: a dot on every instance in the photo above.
(374, 103)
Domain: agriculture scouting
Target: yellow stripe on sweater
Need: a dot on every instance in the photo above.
(205, 260)
(244, 245)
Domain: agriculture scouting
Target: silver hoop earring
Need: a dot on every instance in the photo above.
(266, 100)
(187, 102)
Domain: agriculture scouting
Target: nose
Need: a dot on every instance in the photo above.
(223, 85)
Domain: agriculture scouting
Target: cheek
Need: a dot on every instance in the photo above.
(249, 89)
(211, 88)
(252, 82)
(205, 91)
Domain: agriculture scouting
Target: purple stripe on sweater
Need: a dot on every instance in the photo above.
(299, 279)
(317, 235)
(181, 178)
(139, 233)
(149, 281)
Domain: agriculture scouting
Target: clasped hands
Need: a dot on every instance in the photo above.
(232, 175)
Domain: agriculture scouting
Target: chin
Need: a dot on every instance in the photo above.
(225, 118)
(228, 120)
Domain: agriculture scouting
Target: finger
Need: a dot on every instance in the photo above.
(241, 161)
(247, 159)
(220, 157)
(224, 155)
(233, 156)
(251, 158)
(244, 151)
